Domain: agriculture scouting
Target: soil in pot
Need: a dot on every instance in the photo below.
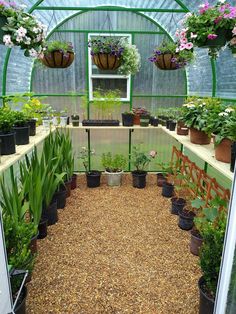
(42, 228)
(127, 119)
(172, 125)
(114, 178)
(74, 181)
(68, 188)
(93, 178)
(22, 135)
(139, 179)
(206, 303)
(223, 151)
(161, 178)
(186, 219)
(32, 125)
(21, 303)
(199, 137)
(195, 242)
(167, 189)
(8, 143)
(177, 204)
(233, 156)
(75, 120)
(50, 213)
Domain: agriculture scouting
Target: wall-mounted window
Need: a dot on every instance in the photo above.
(108, 79)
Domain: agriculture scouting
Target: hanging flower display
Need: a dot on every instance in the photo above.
(173, 55)
(57, 54)
(21, 29)
(109, 53)
(211, 27)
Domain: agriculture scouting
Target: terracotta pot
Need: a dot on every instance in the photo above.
(223, 150)
(58, 59)
(182, 129)
(136, 119)
(199, 137)
(164, 62)
(106, 62)
(195, 242)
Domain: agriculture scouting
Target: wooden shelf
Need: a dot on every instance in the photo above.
(205, 152)
(120, 127)
(21, 150)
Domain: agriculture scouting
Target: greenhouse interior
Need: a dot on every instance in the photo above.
(101, 101)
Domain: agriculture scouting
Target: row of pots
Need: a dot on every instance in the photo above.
(18, 136)
(185, 222)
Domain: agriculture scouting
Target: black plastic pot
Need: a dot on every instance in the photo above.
(161, 178)
(139, 179)
(50, 213)
(233, 156)
(33, 244)
(177, 204)
(155, 122)
(68, 187)
(93, 178)
(186, 219)
(172, 125)
(75, 120)
(167, 189)
(43, 228)
(74, 181)
(32, 125)
(8, 143)
(168, 123)
(60, 198)
(22, 134)
(21, 304)
(127, 119)
(100, 122)
(206, 304)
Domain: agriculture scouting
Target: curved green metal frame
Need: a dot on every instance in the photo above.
(34, 7)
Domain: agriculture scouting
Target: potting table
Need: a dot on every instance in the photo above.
(204, 152)
(22, 150)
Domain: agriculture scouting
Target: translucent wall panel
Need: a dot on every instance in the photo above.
(226, 74)
(3, 51)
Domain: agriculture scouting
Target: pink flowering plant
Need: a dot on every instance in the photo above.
(209, 23)
(182, 50)
(22, 29)
(141, 160)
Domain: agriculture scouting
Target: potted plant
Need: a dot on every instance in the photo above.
(21, 29)
(114, 165)
(7, 135)
(138, 112)
(57, 54)
(92, 176)
(211, 27)
(210, 258)
(106, 104)
(166, 170)
(109, 53)
(128, 118)
(21, 128)
(173, 55)
(140, 161)
(194, 116)
(226, 136)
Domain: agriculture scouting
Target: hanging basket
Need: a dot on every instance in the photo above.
(106, 61)
(164, 62)
(3, 21)
(58, 59)
(220, 41)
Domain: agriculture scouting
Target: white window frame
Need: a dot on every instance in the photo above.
(107, 76)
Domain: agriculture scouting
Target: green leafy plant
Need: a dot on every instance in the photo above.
(113, 163)
(20, 118)
(22, 29)
(84, 156)
(107, 103)
(7, 120)
(141, 160)
(228, 129)
(57, 45)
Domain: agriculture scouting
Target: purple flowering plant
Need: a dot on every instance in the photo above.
(107, 45)
(209, 21)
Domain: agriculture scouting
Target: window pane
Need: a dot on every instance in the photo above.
(107, 84)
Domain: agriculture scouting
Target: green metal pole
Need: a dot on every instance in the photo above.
(214, 77)
(107, 31)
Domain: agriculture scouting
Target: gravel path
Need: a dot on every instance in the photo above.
(115, 250)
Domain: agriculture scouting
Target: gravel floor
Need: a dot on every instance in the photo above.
(115, 250)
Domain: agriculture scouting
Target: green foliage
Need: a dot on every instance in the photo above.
(84, 156)
(115, 163)
(6, 120)
(20, 118)
(131, 60)
(228, 129)
(141, 160)
(107, 102)
(55, 45)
